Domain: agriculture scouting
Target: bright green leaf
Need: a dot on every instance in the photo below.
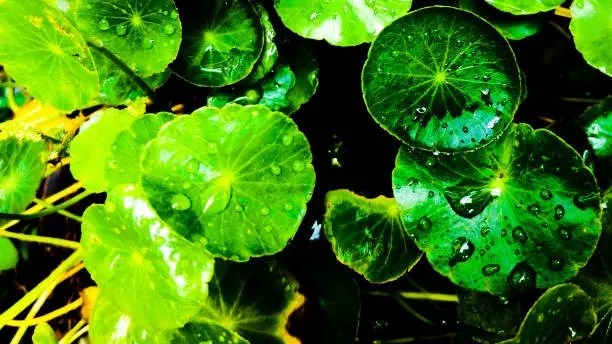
(563, 314)
(155, 276)
(368, 235)
(269, 55)
(340, 22)
(236, 180)
(91, 147)
(521, 7)
(9, 257)
(597, 123)
(510, 26)
(222, 42)
(44, 334)
(36, 37)
(523, 212)
(145, 35)
(591, 27)
(122, 165)
(442, 79)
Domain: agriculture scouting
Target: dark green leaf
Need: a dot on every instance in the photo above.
(490, 313)
(597, 123)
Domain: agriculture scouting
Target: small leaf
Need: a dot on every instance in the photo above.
(521, 213)
(340, 22)
(155, 276)
(563, 314)
(9, 257)
(222, 42)
(591, 27)
(235, 180)
(145, 36)
(44, 334)
(510, 26)
(442, 79)
(368, 236)
(597, 123)
(36, 36)
(521, 7)
(92, 146)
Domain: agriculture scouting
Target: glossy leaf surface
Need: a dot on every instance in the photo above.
(368, 235)
(36, 36)
(340, 22)
(269, 55)
(591, 27)
(442, 79)
(510, 26)
(521, 213)
(222, 42)
(9, 257)
(597, 123)
(235, 180)
(152, 274)
(520, 7)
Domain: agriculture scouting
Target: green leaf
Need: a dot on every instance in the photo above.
(269, 55)
(597, 123)
(36, 36)
(21, 168)
(44, 334)
(145, 36)
(9, 257)
(221, 44)
(602, 333)
(563, 314)
(490, 313)
(521, 7)
(235, 180)
(510, 26)
(442, 79)
(155, 276)
(92, 146)
(306, 69)
(591, 27)
(254, 299)
(340, 22)
(368, 236)
(523, 212)
(122, 165)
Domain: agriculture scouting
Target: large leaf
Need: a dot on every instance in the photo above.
(154, 275)
(563, 314)
(368, 235)
(222, 42)
(523, 212)
(597, 123)
(145, 35)
(520, 7)
(442, 79)
(591, 26)
(340, 22)
(236, 180)
(36, 38)
(510, 26)
(92, 146)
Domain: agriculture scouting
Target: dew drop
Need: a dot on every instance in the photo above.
(545, 194)
(486, 78)
(192, 166)
(216, 197)
(180, 202)
(462, 251)
(121, 29)
(518, 234)
(534, 209)
(465, 129)
(212, 148)
(490, 269)
(430, 194)
(421, 110)
(430, 162)
(555, 263)
(565, 233)
(298, 166)
(169, 29)
(275, 169)
(268, 229)
(482, 252)
(288, 206)
(287, 139)
(395, 53)
(504, 232)
(148, 43)
(103, 24)
(522, 277)
(424, 223)
(265, 211)
(559, 212)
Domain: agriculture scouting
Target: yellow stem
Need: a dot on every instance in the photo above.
(52, 168)
(563, 12)
(47, 317)
(429, 296)
(74, 332)
(61, 212)
(42, 240)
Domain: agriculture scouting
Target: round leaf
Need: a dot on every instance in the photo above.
(9, 257)
(591, 26)
(145, 36)
(155, 276)
(235, 180)
(222, 42)
(510, 26)
(35, 37)
(122, 165)
(91, 147)
(519, 7)
(368, 236)
(523, 212)
(442, 79)
(597, 123)
(340, 22)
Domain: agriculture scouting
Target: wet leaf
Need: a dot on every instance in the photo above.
(340, 22)
(243, 191)
(510, 26)
(521, 7)
(269, 55)
(490, 313)
(597, 123)
(442, 79)
(521, 213)
(591, 27)
(368, 235)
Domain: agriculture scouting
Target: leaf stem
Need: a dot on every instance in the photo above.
(54, 168)
(560, 29)
(61, 212)
(75, 332)
(48, 211)
(563, 12)
(42, 240)
(582, 100)
(47, 317)
(414, 339)
(418, 296)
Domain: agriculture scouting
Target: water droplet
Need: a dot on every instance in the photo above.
(298, 166)
(212, 148)
(430, 162)
(275, 169)
(559, 212)
(545, 194)
(121, 29)
(148, 43)
(421, 110)
(424, 223)
(462, 251)
(484, 231)
(103, 24)
(287, 139)
(265, 211)
(534, 209)
(468, 200)
(288, 206)
(519, 234)
(522, 277)
(268, 229)
(555, 263)
(180, 202)
(173, 15)
(564, 233)
(395, 53)
(486, 78)
(490, 269)
(503, 233)
(465, 129)
(410, 38)
(169, 29)
(192, 166)
(485, 92)
(216, 197)
(430, 194)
